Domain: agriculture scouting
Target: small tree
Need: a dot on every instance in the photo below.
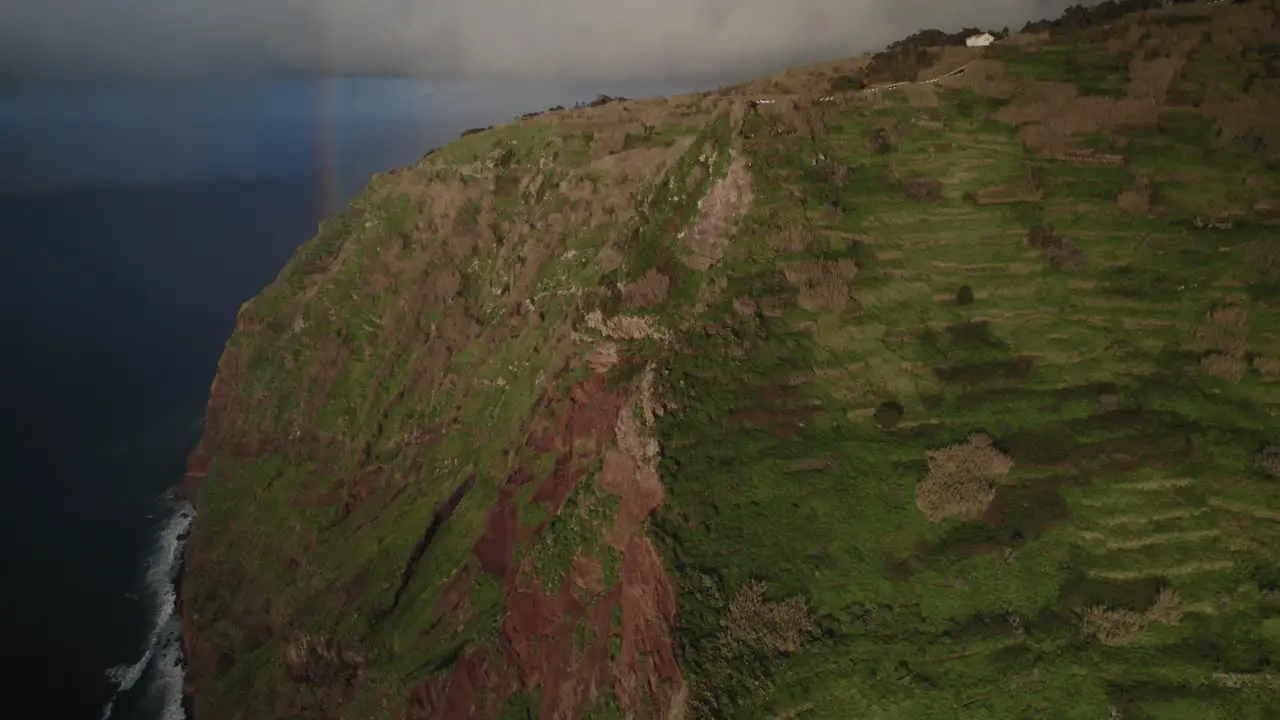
(889, 414)
(964, 296)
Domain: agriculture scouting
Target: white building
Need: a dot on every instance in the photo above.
(979, 40)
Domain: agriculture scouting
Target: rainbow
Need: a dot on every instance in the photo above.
(330, 191)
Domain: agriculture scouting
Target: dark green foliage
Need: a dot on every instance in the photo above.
(889, 414)
(846, 83)
(964, 296)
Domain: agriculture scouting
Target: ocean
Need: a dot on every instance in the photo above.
(133, 224)
(119, 301)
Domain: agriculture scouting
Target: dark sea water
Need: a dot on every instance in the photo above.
(118, 301)
(132, 227)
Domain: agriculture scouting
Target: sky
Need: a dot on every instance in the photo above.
(58, 137)
(138, 91)
(100, 41)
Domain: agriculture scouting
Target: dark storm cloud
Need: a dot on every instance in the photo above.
(533, 39)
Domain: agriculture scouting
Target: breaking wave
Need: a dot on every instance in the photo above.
(163, 652)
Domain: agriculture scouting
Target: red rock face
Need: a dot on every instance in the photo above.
(537, 646)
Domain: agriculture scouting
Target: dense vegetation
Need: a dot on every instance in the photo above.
(962, 397)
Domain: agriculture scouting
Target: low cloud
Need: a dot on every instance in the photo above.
(98, 40)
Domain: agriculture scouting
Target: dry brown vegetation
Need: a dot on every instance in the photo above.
(1228, 367)
(1114, 627)
(1268, 460)
(1248, 115)
(961, 479)
(792, 238)
(1267, 367)
(1223, 334)
(1005, 195)
(758, 623)
(921, 96)
(1050, 114)
(922, 189)
(1118, 626)
(1139, 198)
(1264, 256)
(986, 77)
(815, 79)
(1061, 252)
(1149, 79)
(824, 284)
(648, 290)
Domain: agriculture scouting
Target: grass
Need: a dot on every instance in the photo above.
(362, 400)
(1022, 364)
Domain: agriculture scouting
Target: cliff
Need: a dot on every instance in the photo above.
(868, 389)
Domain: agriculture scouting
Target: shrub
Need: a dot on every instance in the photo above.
(1061, 252)
(964, 296)
(922, 189)
(889, 414)
(846, 83)
(1268, 461)
(881, 141)
(648, 290)
(824, 284)
(1269, 367)
(1228, 367)
(1167, 608)
(1223, 330)
(961, 480)
(1116, 627)
(1108, 401)
(775, 626)
(1066, 256)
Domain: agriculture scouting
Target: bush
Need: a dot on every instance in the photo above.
(1108, 401)
(649, 290)
(823, 284)
(1269, 367)
(961, 480)
(881, 141)
(1116, 627)
(775, 626)
(964, 296)
(846, 83)
(1228, 367)
(889, 414)
(922, 189)
(1225, 330)
(1061, 252)
(1268, 461)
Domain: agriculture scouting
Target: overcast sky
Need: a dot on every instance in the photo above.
(97, 40)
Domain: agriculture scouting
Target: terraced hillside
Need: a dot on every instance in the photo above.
(805, 398)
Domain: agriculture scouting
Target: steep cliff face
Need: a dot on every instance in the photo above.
(429, 443)
(795, 399)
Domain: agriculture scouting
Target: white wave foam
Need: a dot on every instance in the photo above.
(164, 642)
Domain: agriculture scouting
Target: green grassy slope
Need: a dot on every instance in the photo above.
(1125, 568)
